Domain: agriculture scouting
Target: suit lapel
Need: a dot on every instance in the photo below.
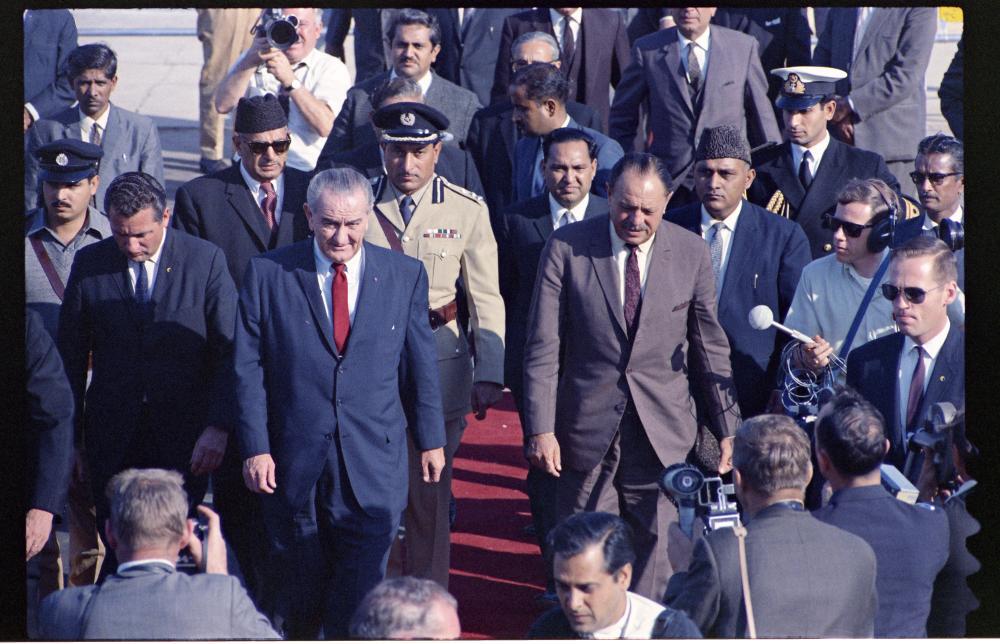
(607, 274)
(720, 67)
(121, 279)
(543, 218)
(293, 194)
(388, 207)
(787, 178)
(675, 69)
(946, 369)
(830, 173)
(875, 22)
(164, 272)
(659, 285)
(241, 200)
(890, 383)
(113, 140)
(742, 252)
(368, 307)
(305, 273)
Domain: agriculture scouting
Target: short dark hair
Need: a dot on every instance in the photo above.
(566, 134)
(398, 86)
(873, 192)
(542, 81)
(585, 529)
(852, 433)
(641, 163)
(943, 144)
(772, 453)
(131, 192)
(93, 56)
(945, 265)
(406, 17)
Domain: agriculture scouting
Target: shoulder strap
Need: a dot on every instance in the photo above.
(741, 533)
(47, 267)
(849, 340)
(390, 232)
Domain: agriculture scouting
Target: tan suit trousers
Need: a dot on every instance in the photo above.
(224, 35)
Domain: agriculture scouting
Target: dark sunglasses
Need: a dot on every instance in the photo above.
(912, 294)
(850, 229)
(260, 147)
(936, 178)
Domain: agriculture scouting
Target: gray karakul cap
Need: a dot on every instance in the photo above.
(723, 142)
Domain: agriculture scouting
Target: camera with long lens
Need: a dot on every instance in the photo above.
(700, 497)
(280, 30)
(942, 434)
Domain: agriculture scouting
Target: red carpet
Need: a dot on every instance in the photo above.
(496, 569)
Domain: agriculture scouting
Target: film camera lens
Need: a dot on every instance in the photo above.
(280, 30)
(682, 480)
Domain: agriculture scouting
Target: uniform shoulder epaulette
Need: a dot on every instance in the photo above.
(462, 191)
(765, 153)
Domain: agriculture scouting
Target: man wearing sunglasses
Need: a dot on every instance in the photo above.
(939, 177)
(905, 373)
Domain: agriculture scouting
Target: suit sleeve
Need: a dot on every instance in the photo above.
(607, 156)
(952, 92)
(904, 72)
(420, 353)
(151, 156)
(248, 371)
(794, 257)
(31, 169)
(698, 591)
(50, 418)
(882, 172)
(761, 124)
(822, 55)
(59, 94)
(341, 135)
(74, 340)
(622, 54)
(631, 92)
(473, 182)
(541, 350)
(220, 315)
(710, 369)
(501, 75)
(336, 32)
(186, 216)
(486, 310)
(797, 37)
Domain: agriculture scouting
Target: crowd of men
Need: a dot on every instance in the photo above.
(580, 205)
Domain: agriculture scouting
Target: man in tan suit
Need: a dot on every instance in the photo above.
(448, 228)
(622, 323)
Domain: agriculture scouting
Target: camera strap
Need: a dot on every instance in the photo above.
(741, 533)
(869, 294)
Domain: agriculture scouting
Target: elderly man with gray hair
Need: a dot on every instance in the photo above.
(407, 608)
(148, 598)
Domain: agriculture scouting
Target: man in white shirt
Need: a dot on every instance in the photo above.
(310, 82)
(939, 176)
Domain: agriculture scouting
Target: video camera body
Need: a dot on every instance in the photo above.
(280, 30)
(943, 435)
(697, 495)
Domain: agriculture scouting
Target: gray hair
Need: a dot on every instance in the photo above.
(149, 507)
(399, 86)
(396, 606)
(343, 180)
(531, 36)
(772, 453)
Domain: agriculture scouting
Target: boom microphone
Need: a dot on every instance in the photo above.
(762, 318)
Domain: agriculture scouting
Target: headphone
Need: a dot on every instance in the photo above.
(884, 230)
(952, 233)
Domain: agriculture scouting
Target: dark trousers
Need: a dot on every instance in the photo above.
(324, 557)
(240, 515)
(540, 487)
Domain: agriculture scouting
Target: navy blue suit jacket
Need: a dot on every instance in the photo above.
(49, 37)
(872, 370)
(177, 357)
(767, 256)
(296, 394)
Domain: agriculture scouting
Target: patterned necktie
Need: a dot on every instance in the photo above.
(916, 388)
(694, 70)
(715, 248)
(141, 285)
(95, 134)
(269, 203)
(406, 209)
(633, 289)
(805, 174)
(341, 313)
(569, 44)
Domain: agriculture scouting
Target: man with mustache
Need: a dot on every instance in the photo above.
(939, 177)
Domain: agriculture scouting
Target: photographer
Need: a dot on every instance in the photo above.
(148, 598)
(803, 578)
(311, 83)
(910, 541)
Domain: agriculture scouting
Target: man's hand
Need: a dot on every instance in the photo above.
(542, 451)
(843, 121)
(37, 527)
(432, 464)
(28, 120)
(725, 454)
(679, 547)
(258, 474)
(278, 65)
(484, 396)
(815, 355)
(212, 557)
(209, 450)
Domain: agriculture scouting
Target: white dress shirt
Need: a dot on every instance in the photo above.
(573, 215)
(621, 254)
(258, 195)
(151, 266)
(817, 151)
(637, 622)
(956, 217)
(908, 364)
(122, 567)
(700, 52)
(727, 230)
(87, 124)
(575, 19)
(354, 269)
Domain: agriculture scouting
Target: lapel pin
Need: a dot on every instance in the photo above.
(941, 378)
(168, 269)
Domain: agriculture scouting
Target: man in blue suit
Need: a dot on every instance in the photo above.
(49, 37)
(330, 331)
(757, 257)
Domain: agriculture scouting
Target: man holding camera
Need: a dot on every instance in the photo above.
(311, 83)
(148, 598)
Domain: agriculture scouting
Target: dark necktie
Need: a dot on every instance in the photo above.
(805, 174)
(269, 203)
(341, 313)
(141, 285)
(633, 288)
(569, 44)
(406, 209)
(694, 70)
(95, 134)
(916, 389)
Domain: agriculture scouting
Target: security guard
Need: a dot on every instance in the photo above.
(801, 177)
(448, 228)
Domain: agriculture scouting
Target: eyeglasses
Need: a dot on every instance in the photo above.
(260, 147)
(912, 294)
(936, 178)
(850, 229)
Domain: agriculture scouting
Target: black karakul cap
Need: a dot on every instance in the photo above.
(407, 122)
(259, 114)
(723, 142)
(68, 160)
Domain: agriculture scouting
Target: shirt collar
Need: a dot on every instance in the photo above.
(729, 222)
(618, 244)
(702, 41)
(86, 122)
(278, 182)
(817, 151)
(138, 563)
(556, 18)
(424, 83)
(577, 212)
(932, 346)
(956, 217)
(417, 196)
(324, 265)
(309, 60)
(155, 258)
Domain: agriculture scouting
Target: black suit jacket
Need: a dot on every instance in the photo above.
(177, 357)
(767, 256)
(492, 139)
(872, 370)
(370, 43)
(525, 227)
(49, 37)
(220, 208)
(468, 55)
(601, 55)
(840, 163)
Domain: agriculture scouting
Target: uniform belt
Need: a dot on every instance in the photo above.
(443, 315)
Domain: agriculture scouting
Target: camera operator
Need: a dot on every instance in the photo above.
(311, 83)
(803, 578)
(148, 598)
(910, 541)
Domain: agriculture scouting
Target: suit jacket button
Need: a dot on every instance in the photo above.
(827, 247)
(340, 370)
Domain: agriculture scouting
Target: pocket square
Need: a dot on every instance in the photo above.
(680, 306)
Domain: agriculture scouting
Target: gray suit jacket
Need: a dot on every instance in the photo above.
(130, 143)
(154, 602)
(886, 81)
(576, 310)
(807, 579)
(734, 92)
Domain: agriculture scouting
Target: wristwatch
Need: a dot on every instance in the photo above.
(294, 86)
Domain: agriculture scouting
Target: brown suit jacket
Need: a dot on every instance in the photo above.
(679, 344)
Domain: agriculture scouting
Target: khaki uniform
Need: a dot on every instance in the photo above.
(450, 233)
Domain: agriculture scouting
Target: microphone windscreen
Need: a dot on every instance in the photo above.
(761, 317)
